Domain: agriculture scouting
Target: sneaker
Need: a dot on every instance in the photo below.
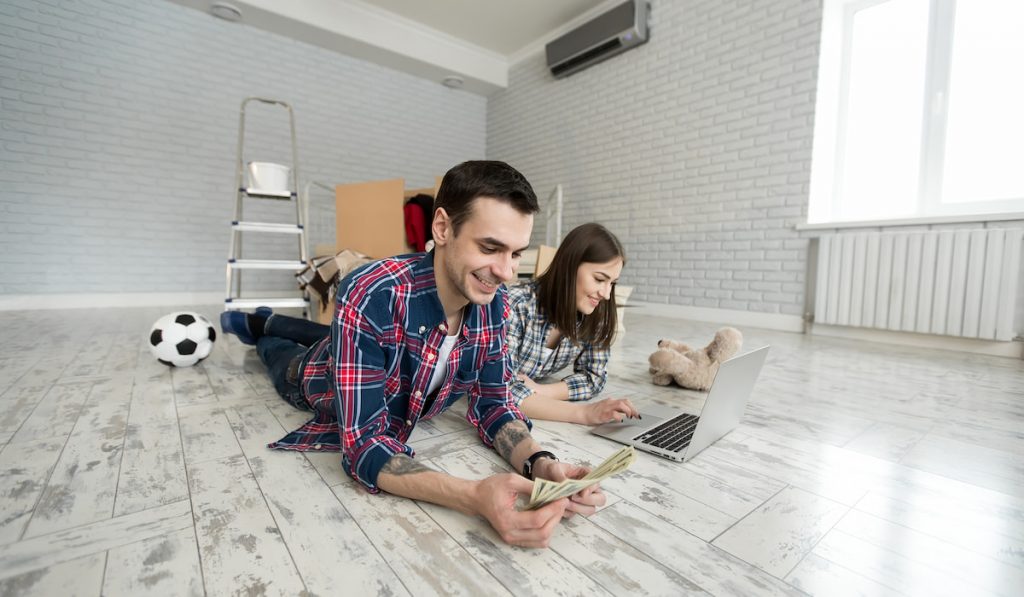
(237, 323)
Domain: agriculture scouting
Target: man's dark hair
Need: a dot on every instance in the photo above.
(483, 178)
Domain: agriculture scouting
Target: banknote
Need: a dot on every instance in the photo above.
(545, 490)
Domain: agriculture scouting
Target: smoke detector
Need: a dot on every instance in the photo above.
(223, 10)
(453, 82)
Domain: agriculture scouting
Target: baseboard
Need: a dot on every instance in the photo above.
(27, 302)
(768, 321)
(1013, 350)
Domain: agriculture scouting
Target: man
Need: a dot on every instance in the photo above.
(410, 335)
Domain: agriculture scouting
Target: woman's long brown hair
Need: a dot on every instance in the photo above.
(556, 293)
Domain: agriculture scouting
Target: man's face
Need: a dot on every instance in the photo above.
(485, 253)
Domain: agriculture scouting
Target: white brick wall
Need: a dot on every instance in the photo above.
(694, 148)
(118, 123)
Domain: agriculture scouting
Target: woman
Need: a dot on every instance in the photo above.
(568, 315)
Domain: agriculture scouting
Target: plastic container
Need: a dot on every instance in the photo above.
(268, 176)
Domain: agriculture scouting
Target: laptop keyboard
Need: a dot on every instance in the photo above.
(672, 435)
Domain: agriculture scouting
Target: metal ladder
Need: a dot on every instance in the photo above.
(236, 263)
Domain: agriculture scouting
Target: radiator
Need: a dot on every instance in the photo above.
(949, 282)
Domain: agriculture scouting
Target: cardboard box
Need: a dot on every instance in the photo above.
(320, 280)
(369, 216)
(621, 298)
(545, 255)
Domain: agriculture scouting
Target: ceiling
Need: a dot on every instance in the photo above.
(501, 26)
(473, 42)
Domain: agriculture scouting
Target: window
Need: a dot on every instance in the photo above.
(920, 110)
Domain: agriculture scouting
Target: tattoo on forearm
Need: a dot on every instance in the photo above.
(509, 437)
(402, 464)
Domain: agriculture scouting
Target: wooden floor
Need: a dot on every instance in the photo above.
(859, 469)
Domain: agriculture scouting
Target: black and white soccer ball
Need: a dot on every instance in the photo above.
(181, 339)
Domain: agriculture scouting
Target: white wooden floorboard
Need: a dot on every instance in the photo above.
(152, 468)
(978, 465)
(56, 414)
(16, 405)
(164, 565)
(326, 543)
(93, 352)
(859, 469)
(207, 436)
(776, 536)
(24, 468)
(224, 377)
(988, 574)
(239, 544)
(591, 548)
(888, 442)
(82, 487)
(711, 568)
(80, 577)
(987, 532)
(524, 571)
(891, 569)
(417, 548)
(816, 575)
(124, 353)
(191, 386)
(69, 544)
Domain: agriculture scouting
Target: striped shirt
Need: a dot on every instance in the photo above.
(367, 382)
(527, 329)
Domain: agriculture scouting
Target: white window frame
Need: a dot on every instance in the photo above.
(831, 110)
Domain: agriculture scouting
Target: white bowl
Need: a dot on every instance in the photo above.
(268, 176)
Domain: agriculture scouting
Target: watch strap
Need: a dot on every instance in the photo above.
(529, 462)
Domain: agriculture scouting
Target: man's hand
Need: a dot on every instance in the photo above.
(610, 410)
(585, 502)
(496, 501)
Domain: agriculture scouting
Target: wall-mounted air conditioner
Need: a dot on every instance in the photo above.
(614, 32)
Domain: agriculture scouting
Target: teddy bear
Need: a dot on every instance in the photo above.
(693, 368)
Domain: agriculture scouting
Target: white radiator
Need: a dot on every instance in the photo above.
(950, 282)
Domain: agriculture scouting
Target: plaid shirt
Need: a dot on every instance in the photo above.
(367, 382)
(527, 329)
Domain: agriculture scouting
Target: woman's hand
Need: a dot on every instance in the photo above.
(529, 383)
(610, 410)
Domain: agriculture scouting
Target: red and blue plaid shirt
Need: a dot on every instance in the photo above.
(367, 382)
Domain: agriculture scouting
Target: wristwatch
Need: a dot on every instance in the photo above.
(532, 460)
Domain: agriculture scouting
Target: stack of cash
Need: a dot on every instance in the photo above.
(545, 491)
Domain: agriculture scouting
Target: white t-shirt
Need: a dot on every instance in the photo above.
(441, 368)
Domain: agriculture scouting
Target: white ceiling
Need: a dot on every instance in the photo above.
(502, 26)
(473, 40)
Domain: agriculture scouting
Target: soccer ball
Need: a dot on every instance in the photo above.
(181, 339)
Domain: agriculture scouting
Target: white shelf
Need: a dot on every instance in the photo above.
(268, 194)
(266, 264)
(267, 227)
(273, 303)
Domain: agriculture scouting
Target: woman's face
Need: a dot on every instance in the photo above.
(594, 283)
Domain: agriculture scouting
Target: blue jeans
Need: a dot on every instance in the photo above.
(282, 348)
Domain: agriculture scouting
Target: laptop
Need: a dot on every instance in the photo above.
(671, 433)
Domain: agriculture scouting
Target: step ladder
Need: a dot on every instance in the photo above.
(236, 264)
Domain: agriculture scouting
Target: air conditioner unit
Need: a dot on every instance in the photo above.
(614, 32)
